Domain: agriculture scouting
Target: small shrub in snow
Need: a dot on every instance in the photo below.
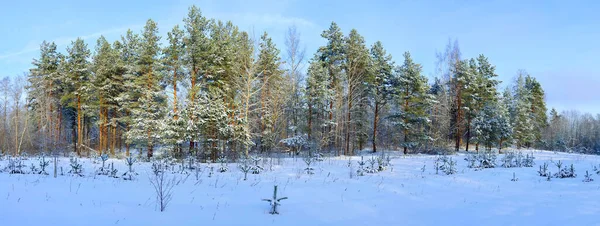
(597, 169)
(33, 169)
(543, 171)
(514, 178)
(472, 160)
(131, 174)
(103, 170)
(528, 161)
(566, 172)
(211, 170)
(245, 167)
(481, 160)
(275, 201)
(256, 167)
(308, 160)
(113, 172)
(508, 160)
(450, 167)
(76, 167)
(319, 157)
(371, 168)
(15, 166)
(381, 164)
(163, 187)
(445, 164)
(361, 167)
(43, 164)
(588, 177)
(518, 160)
(223, 164)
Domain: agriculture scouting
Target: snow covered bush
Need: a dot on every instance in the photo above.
(514, 178)
(484, 159)
(223, 164)
(245, 167)
(103, 170)
(131, 174)
(588, 177)
(275, 201)
(256, 167)
(528, 161)
(508, 160)
(308, 160)
(43, 164)
(76, 167)
(295, 143)
(566, 172)
(543, 171)
(361, 167)
(113, 172)
(15, 166)
(445, 164)
(450, 167)
(597, 169)
(371, 168)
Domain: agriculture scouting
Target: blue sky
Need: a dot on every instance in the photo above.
(558, 42)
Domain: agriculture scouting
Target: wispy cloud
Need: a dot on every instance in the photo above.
(33, 46)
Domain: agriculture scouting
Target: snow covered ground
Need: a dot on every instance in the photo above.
(400, 195)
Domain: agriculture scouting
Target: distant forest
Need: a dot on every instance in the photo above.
(209, 89)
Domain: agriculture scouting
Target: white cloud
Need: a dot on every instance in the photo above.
(34, 45)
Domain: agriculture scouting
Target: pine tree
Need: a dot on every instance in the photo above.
(147, 116)
(108, 83)
(317, 94)
(332, 55)
(197, 46)
(128, 49)
(270, 76)
(382, 72)
(78, 71)
(356, 68)
(538, 107)
(172, 60)
(44, 94)
(522, 118)
(413, 102)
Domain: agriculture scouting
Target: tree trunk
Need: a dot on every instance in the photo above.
(375, 122)
(349, 122)
(79, 127)
(309, 121)
(468, 133)
(175, 94)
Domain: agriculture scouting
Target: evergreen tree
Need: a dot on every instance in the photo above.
(382, 72)
(413, 101)
(79, 75)
(128, 49)
(538, 107)
(356, 68)
(317, 94)
(197, 46)
(44, 95)
(147, 116)
(172, 60)
(108, 83)
(270, 76)
(332, 56)
(522, 117)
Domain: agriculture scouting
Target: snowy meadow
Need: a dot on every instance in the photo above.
(367, 190)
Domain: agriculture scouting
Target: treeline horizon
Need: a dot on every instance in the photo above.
(244, 95)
